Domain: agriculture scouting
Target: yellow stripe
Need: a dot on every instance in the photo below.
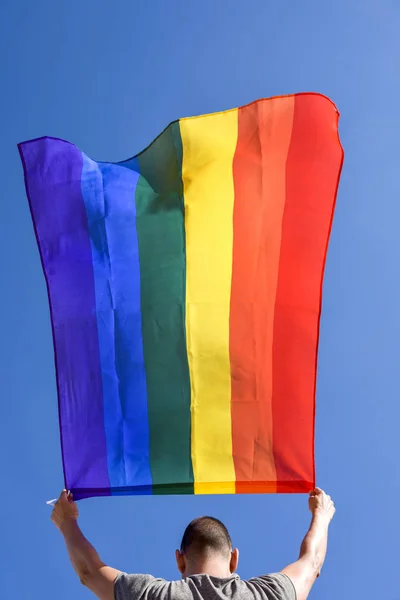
(209, 145)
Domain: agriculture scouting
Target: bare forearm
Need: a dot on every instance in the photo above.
(83, 556)
(315, 543)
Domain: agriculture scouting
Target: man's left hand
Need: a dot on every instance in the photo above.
(64, 510)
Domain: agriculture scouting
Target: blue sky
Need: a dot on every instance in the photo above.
(109, 77)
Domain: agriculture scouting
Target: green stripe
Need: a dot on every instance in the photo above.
(161, 238)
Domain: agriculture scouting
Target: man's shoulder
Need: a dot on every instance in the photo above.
(275, 585)
(146, 587)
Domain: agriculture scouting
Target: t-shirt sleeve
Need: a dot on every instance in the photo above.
(275, 587)
(132, 587)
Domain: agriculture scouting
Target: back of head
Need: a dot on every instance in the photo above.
(204, 537)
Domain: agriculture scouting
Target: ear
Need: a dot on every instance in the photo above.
(234, 560)
(180, 561)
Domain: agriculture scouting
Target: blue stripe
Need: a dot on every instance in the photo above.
(109, 195)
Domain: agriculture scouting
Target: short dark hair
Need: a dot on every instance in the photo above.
(204, 536)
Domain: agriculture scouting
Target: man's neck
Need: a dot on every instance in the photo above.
(212, 568)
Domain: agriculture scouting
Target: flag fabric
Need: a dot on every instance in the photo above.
(185, 290)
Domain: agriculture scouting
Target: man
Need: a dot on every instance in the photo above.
(206, 561)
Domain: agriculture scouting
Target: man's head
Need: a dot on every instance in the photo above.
(206, 548)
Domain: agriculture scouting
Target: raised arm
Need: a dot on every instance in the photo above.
(92, 572)
(305, 571)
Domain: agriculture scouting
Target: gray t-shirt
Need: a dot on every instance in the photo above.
(204, 587)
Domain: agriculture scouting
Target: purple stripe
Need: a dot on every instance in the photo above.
(53, 181)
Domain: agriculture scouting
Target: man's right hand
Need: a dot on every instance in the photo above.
(321, 504)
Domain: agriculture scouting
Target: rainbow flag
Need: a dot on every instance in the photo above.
(185, 294)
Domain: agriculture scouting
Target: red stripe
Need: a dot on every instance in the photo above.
(312, 176)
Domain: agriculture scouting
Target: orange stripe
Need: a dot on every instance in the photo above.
(264, 132)
(312, 175)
